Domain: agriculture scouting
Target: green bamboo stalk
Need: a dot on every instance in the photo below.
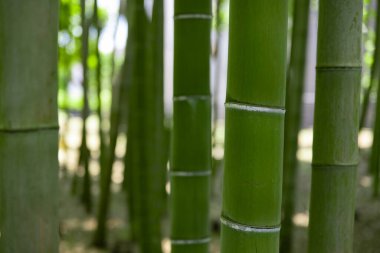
(374, 159)
(336, 124)
(191, 138)
(28, 126)
(375, 72)
(254, 135)
(86, 197)
(144, 173)
(100, 236)
(294, 92)
(98, 74)
(159, 154)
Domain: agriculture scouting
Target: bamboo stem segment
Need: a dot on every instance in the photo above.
(294, 92)
(28, 126)
(336, 124)
(254, 126)
(191, 139)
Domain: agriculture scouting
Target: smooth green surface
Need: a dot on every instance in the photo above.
(238, 241)
(336, 117)
(339, 33)
(28, 126)
(190, 219)
(24, 42)
(29, 191)
(191, 134)
(195, 54)
(192, 7)
(257, 52)
(336, 124)
(254, 135)
(191, 149)
(190, 248)
(253, 162)
(294, 91)
(332, 209)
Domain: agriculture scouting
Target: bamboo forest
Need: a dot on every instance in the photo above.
(189, 126)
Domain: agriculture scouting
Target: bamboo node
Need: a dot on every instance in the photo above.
(29, 129)
(202, 173)
(191, 241)
(254, 108)
(249, 229)
(195, 97)
(193, 16)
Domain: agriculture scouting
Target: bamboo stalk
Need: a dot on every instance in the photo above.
(294, 92)
(255, 104)
(28, 126)
(375, 72)
(86, 197)
(336, 124)
(191, 137)
(145, 168)
(374, 159)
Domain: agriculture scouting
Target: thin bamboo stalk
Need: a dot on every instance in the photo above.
(336, 124)
(294, 92)
(374, 159)
(191, 137)
(28, 126)
(375, 72)
(86, 197)
(100, 236)
(254, 134)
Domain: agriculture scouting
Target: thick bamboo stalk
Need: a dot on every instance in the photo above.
(336, 124)
(28, 126)
(255, 111)
(294, 92)
(191, 137)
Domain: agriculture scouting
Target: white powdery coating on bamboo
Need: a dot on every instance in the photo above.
(254, 108)
(248, 229)
(190, 173)
(193, 16)
(187, 98)
(188, 242)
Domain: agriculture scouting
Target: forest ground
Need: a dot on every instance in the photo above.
(77, 227)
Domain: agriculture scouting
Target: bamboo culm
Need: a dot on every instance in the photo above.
(375, 73)
(84, 156)
(336, 124)
(254, 126)
(294, 92)
(28, 126)
(145, 173)
(190, 166)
